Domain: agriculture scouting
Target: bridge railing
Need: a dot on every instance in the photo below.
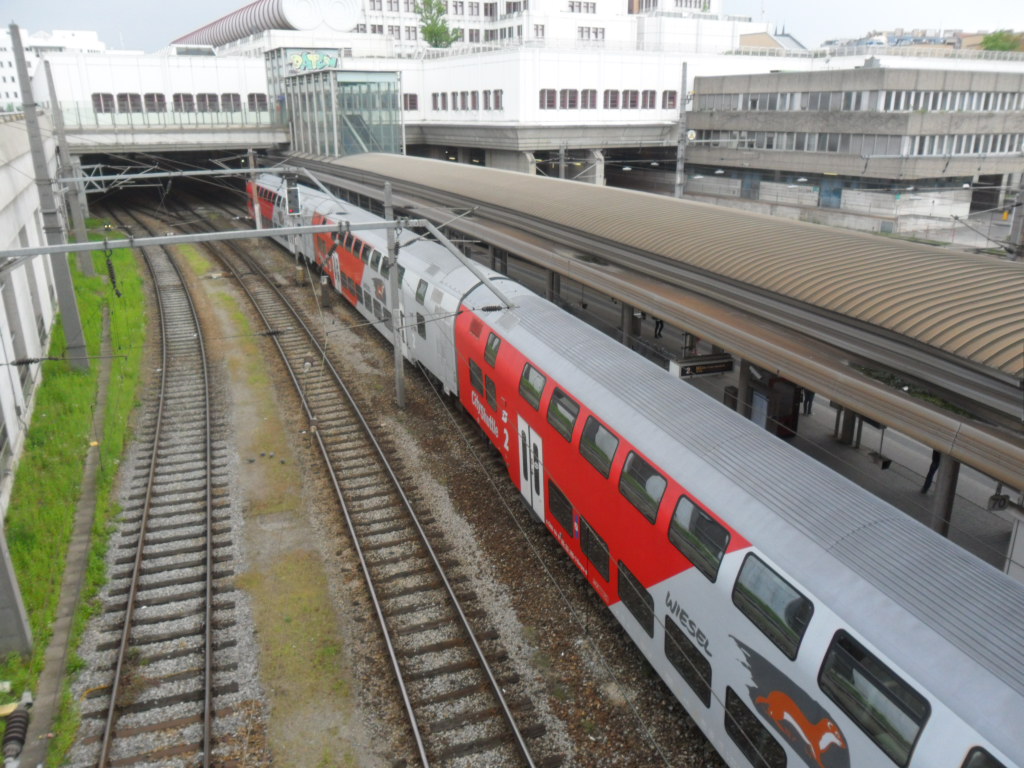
(82, 116)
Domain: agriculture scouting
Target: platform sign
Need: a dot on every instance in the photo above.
(702, 365)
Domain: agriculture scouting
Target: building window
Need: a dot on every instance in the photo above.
(568, 98)
(412, 33)
(395, 31)
(648, 99)
(103, 102)
(410, 102)
(491, 10)
(157, 102)
(590, 33)
(376, 5)
(611, 99)
(630, 99)
(458, 8)
(184, 102)
(474, 35)
(538, 31)
(547, 98)
(668, 99)
(588, 98)
(498, 93)
(129, 102)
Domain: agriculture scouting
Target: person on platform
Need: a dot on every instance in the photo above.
(808, 399)
(932, 468)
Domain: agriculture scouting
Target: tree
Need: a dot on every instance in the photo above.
(434, 25)
(1002, 40)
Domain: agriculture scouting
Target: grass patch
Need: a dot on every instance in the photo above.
(197, 262)
(40, 516)
(300, 646)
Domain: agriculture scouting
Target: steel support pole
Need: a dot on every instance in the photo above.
(77, 354)
(397, 322)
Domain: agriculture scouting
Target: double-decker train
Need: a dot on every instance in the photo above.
(799, 619)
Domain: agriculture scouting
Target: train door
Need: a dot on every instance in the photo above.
(335, 270)
(531, 468)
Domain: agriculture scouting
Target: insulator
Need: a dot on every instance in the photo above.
(17, 730)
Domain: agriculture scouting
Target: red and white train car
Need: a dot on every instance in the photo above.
(799, 619)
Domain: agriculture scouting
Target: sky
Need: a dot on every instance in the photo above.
(149, 25)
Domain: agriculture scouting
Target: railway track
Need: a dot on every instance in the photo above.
(162, 657)
(448, 672)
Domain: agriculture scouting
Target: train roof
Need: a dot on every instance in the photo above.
(814, 523)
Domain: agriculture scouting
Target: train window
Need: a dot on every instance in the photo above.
(561, 508)
(598, 445)
(750, 735)
(979, 758)
(493, 345)
(367, 299)
(385, 266)
(378, 310)
(476, 376)
(886, 708)
(531, 385)
(476, 327)
(595, 549)
(636, 598)
(387, 320)
(772, 604)
(642, 485)
(421, 325)
(689, 662)
(421, 291)
(375, 258)
(698, 536)
(490, 393)
(562, 413)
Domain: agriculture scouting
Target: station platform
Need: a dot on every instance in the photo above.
(983, 532)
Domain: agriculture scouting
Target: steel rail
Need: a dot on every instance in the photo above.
(324, 359)
(108, 731)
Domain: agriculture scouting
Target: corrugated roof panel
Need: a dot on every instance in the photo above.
(887, 283)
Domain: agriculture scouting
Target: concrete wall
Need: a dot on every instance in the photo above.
(27, 296)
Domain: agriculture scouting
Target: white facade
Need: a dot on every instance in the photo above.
(27, 296)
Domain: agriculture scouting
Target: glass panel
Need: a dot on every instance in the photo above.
(562, 413)
(491, 352)
(598, 445)
(979, 758)
(688, 661)
(476, 376)
(774, 606)
(560, 507)
(421, 291)
(531, 385)
(637, 599)
(491, 393)
(642, 485)
(595, 549)
(888, 710)
(751, 735)
(698, 536)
